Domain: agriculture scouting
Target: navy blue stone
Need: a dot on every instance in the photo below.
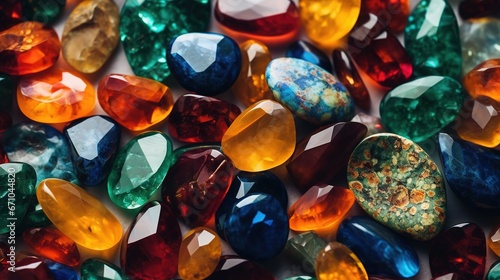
(61, 271)
(257, 227)
(205, 63)
(93, 145)
(380, 250)
(472, 172)
(309, 52)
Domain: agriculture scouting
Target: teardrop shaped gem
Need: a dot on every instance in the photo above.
(336, 261)
(53, 244)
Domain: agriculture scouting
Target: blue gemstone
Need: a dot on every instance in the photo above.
(257, 227)
(472, 172)
(381, 251)
(205, 63)
(93, 144)
(61, 271)
(309, 52)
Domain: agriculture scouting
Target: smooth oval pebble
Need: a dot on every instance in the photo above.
(336, 261)
(397, 183)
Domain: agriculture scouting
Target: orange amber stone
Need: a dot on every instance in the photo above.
(493, 240)
(136, 103)
(484, 79)
(27, 48)
(337, 262)
(51, 243)
(55, 96)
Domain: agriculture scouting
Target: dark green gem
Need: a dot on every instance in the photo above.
(97, 269)
(304, 248)
(44, 11)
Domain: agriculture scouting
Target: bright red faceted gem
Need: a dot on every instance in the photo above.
(10, 13)
(392, 13)
(196, 118)
(51, 243)
(234, 267)
(460, 249)
(30, 268)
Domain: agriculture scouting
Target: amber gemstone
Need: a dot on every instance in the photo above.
(52, 244)
(494, 240)
(10, 13)
(336, 262)
(234, 267)
(392, 13)
(484, 79)
(476, 9)
(136, 103)
(27, 48)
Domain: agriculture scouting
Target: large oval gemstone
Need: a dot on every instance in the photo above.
(484, 79)
(234, 267)
(53, 244)
(336, 261)
(479, 41)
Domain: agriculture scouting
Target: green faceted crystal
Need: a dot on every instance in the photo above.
(44, 11)
(421, 108)
(304, 248)
(139, 169)
(7, 91)
(432, 39)
(146, 28)
(96, 269)
(494, 272)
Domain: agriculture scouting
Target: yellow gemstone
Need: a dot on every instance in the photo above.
(262, 137)
(337, 262)
(494, 240)
(199, 253)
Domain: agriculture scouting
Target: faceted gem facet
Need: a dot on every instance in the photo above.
(234, 267)
(494, 271)
(97, 269)
(336, 261)
(60, 271)
(261, 138)
(304, 248)
(478, 9)
(43, 11)
(484, 79)
(51, 243)
(309, 52)
(394, 12)
(479, 41)
(397, 183)
(494, 239)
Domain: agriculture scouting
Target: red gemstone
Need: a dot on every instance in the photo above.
(151, 245)
(460, 249)
(475, 9)
(5, 121)
(3, 155)
(30, 268)
(10, 13)
(196, 118)
(234, 267)
(392, 13)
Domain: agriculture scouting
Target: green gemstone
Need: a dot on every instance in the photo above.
(7, 91)
(96, 269)
(421, 108)
(35, 217)
(146, 28)
(304, 248)
(139, 169)
(44, 11)
(432, 39)
(301, 278)
(494, 272)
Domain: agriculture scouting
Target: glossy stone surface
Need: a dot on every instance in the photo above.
(29, 47)
(7, 92)
(336, 261)
(493, 239)
(97, 269)
(34, 216)
(91, 33)
(199, 253)
(205, 63)
(60, 271)
(3, 155)
(380, 250)
(309, 91)
(479, 42)
(261, 138)
(460, 249)
(43, 11)
(304, 248)
(257, 227)
(234, 267)
(51, 243)
(397, 183)
(322, 154)
(373, 123)
(146, 27)
(478, 9)
(421, 108)
(150, 248)
(30, 268)
(484, 79)
(494, 271)
(197, 118)
(309, 52)
(394, 12)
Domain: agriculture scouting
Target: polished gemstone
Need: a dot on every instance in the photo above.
(3, 155)
(372, 123)
(261, 138)
(484, 79)
(205, 63)
(60, 271)
(304, 248)
(460, 249)
(324, 153)
(51, 243)
(478, 9)
(55, 96)
(322, 206)
(30, 268)
(146, 27)
(199, 253)
(257, 227)
(34, 216)
(97, 269)
(27, 48)
(380, 250)
(397, 183)
(494, 239)
(336, 261)
(150, 248)
(421, 108)
(7, 92)
(91, 33)
(393, 13)
(139, 169)
(177, 153)
(494, 271)
(234, 267)
(309, 91)
(11, 13)
(197, 118)
(309, 52)
(479, 41)
(44, 11)
(301, 278)
(197, 183)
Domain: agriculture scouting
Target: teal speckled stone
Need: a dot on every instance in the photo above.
(309, 91)
(399, 185)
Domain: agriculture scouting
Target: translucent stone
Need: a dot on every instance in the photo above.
(478, 9)
(97, 269)
(309, 52)
(394, 12)
(336, 262)
(494, 271)
(44, 11)
(30, 268)
(493, 239)
(484, 79)
(234, 267)
(53, 244)
(60, 271)
(480, 42)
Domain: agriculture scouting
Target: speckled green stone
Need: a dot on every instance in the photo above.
(398, 184)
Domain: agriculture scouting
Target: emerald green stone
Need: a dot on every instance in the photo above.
(7, 91)
(97, 269)
(421, 108)
(44, 11)
(139, 169)
(494, 272)
(146, 28)
(304, 248)
(35, 217)
(432, 39)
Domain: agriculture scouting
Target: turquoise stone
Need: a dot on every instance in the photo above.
(480, 41)
(421, 108)
(309, 91)
(139, 169)
(146, 28)
(97, 269)
(494, 272)
(432, 39)
(304, 248)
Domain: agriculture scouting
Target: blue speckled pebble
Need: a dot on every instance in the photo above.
(309, 91)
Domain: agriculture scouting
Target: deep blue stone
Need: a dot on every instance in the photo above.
(380, 250)
(61, 271)
(472, 172)
(309, 52)
(93, 145)
(205, 63)
(257, 227)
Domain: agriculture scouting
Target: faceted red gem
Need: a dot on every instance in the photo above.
(234, 267)
(472, 9)
(10, 13)
(196, 118)
(150, 248)
(392, 13)
(460, 249)
(5, 121)
(30, 268)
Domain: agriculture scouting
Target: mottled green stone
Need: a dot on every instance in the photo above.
(7, 91)
(139, 169)
(44, 11)
(301, 278)
(480, 41)
(494, 272)
(146, 28)
(97, 269)
(432, 40)
(304, 248)
(397, 183)
(421, 108)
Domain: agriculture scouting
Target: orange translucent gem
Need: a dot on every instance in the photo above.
(51, 243)
(484, 79)
(55, 96)
(28, 48)
(493, 240)
(337, 262)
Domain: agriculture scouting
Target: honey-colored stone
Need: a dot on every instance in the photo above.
(337, 262)
(484, 79)
(493, 240)
(90, 35)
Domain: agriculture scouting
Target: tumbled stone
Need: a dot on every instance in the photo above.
(494, 271)
(309, 52)
(199, 253)
(336, 261)
(394, 13)
(51, 243)
(177, 153)
(234, 267)
(30, 268)
(479, 42)
(493, 239)
(97, 269)
(478, 9)
(44, 11)
(372, 123)
(91, 33)
(304, 248)
(60, 271)
(7, 92)
(484, 79)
